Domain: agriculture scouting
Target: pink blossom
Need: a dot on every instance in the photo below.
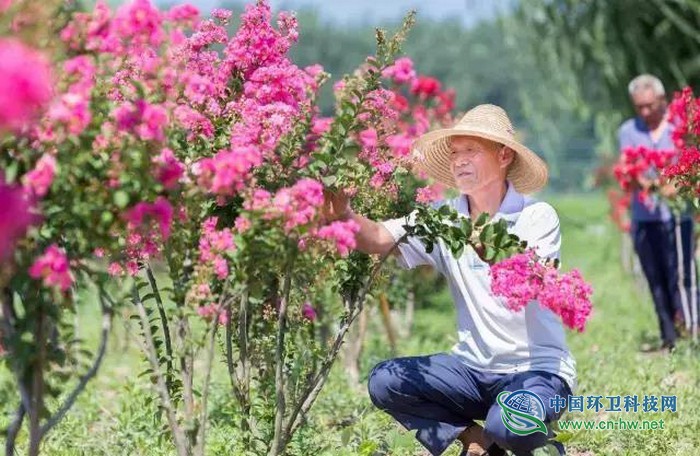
(211, 311)
(339, 86)
(400, 144)
(429, 194)
(53, 268)
(522, 279)
(517, 279)
(308, 312)
(321, 125)
(242, 224)
(160, 211)
(115, 269)
(221, 14)
(146, 120)
(184, 14)
(214, 244)
(83, 66)
(153, 122)
(38, 181)
(73, 111)
(342, 233)
(425, 87)
(5, 5)
(140, 21)
(368, 138)
(25, 84)
(228, 171)
(256, 42)
(169, 169)
(401, 71)
(194, 121)
(15, 217)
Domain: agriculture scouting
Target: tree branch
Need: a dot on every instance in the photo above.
(199, 448)
(161, 387)
(309, 397)
(70, 400)
(279, 438)
(163, 323)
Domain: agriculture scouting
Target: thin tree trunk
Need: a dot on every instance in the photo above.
(681, 272)
(693, 295)
(353, 349)
(200, 445)
(386, 319)
(281, 406)
(13, 430)
(37, 388)
(149, 349)
(164, 325)
(310, 395)
(409, 312)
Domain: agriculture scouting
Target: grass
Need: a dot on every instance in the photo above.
(117, 417)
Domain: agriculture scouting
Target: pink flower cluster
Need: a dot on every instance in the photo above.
(148, 225)
(38, 181)
(228, 172)
(430, 193)
(168, 169)
(522, 279)
(16, 216)
(342, 234)
(210, 311)
(638, 162)
(308, 312)
(396, 117)
(145, 120)
(213, 245)
(401, 71)
(160, 211)
(297, 205)
(25, 84)
(53, 268)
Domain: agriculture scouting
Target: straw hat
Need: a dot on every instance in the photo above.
(528, 173)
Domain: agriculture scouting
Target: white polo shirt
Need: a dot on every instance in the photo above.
(493, 338)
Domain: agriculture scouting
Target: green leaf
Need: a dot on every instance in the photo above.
(481, 220)
(121, 199)
(486, 233)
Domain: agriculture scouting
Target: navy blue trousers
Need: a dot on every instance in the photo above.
(439, 397)
(655, 244)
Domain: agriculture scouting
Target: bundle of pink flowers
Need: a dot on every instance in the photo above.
(524, 278)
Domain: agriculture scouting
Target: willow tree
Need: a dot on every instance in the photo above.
(587, 52)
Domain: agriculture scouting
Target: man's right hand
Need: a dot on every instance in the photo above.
(336, 206)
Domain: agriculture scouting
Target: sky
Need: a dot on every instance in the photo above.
(376, 12)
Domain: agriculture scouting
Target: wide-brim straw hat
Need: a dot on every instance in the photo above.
(432, 151)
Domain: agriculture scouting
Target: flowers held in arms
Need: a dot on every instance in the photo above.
(524, 278)
(642, 167)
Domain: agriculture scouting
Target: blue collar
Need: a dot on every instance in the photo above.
(511, 206)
